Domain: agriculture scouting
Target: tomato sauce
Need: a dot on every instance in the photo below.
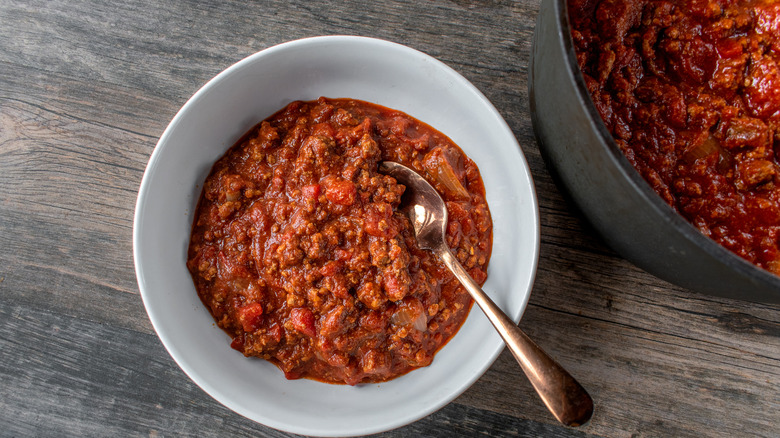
(690, 91)
(299, 251)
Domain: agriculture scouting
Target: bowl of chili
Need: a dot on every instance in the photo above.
(345, 70)
(651, 119)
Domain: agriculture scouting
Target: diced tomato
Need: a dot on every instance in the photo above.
(330, 268)
(238, 343)
(302, 320)
(341, 192)
(275, 331)
(331, 324)
(292, 375)
(768, 21)
(342, 254)
(729, 48)
(311, 191)
(478, 275)
(250, 316)
(378, 221)
(761, 94)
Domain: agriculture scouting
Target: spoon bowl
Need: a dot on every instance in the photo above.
(566, 399)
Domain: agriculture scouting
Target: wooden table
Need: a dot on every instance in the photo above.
(86, 89)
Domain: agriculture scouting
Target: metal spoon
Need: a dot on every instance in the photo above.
(566, 399)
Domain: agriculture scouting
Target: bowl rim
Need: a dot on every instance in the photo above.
(534, 222)
(632, 176)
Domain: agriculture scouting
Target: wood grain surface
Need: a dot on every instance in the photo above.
(86, 89)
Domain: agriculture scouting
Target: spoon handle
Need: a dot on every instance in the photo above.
(566, 399)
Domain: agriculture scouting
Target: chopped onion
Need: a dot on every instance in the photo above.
(421, 323)
(232, 195)
(445, 175)
(701, 150)
(403, 318)
(706, 148)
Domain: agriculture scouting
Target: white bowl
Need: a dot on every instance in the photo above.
(216, 117)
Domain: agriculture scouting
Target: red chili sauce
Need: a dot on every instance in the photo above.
(299, 251)
(690, 91)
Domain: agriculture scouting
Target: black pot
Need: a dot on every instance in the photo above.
(620, 205)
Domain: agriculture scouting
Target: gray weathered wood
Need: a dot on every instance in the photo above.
(86, 88)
